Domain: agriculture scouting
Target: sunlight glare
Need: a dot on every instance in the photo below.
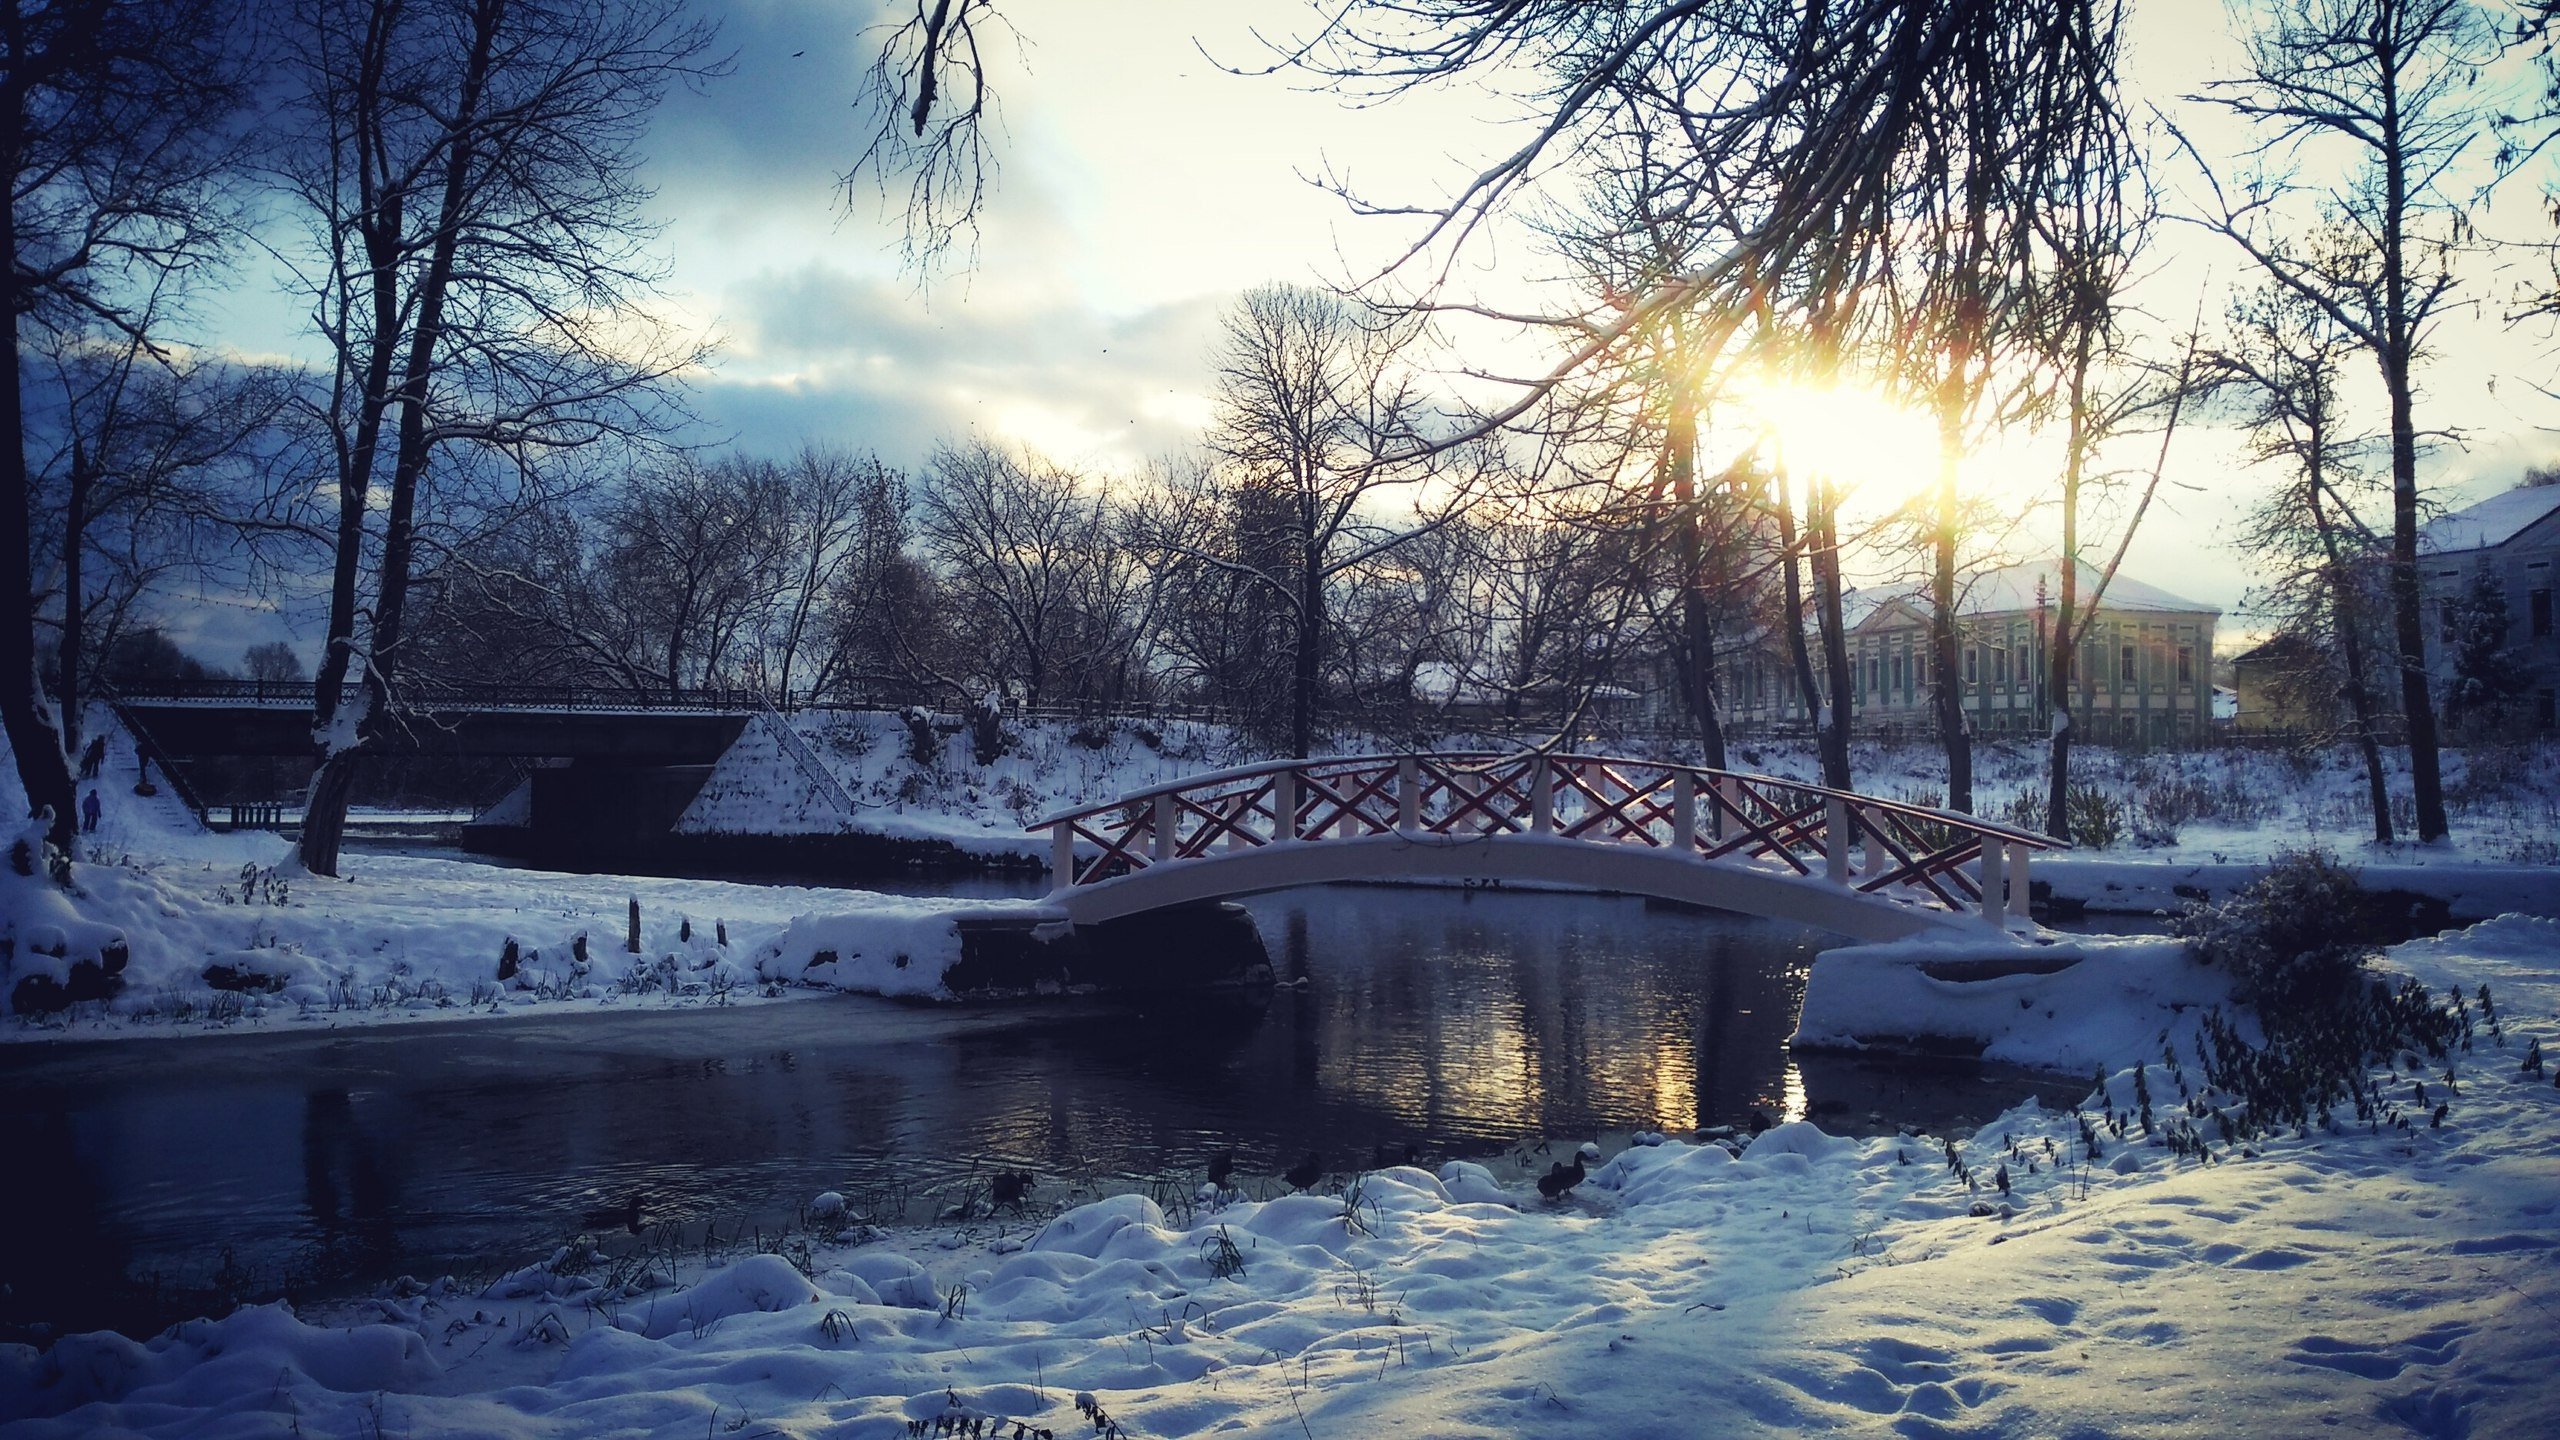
(1881, 453)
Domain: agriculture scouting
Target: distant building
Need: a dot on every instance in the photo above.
(2515, 539)
(2283, 686)
(2141, 678)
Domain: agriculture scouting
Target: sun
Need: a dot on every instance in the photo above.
(1880, 453)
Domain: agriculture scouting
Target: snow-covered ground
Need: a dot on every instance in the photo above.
(2338, 1279)
(403, 937)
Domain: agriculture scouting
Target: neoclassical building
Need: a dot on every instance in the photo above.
(2143, 675)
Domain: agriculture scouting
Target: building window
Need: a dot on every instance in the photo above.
(2186, 664)
(1875, 678)
(1973, 665)
(2126, 672)
(2546, 709)
(2540, 607)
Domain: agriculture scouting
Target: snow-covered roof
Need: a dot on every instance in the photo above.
(2014, 588)
(2493, 521)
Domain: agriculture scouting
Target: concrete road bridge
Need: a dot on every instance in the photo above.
(252, 717)
(1868, 868)
(609, 764)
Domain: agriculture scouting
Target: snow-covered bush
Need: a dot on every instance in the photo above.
(2298, 935)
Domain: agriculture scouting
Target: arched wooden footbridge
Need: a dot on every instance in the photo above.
(1864, 867)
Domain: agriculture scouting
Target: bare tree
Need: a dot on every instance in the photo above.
(2379, 95)
(1322, 419)
(272, 662)
(155, 476)
(2284, 367)
(1025, 548)
(930, 102)
(478, 265)
(111, 120)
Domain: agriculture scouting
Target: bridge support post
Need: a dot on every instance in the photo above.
(1995, 908)
(1542, 796)
(1874, 838)
(1684, 812)
(1062, 856)
(2020, 896)
(1835, 840)
(1284, 804)
(1408, 794)
(1165, 819)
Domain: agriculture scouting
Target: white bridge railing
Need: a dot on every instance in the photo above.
(1939, 859)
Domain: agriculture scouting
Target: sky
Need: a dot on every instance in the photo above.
(1142, 187)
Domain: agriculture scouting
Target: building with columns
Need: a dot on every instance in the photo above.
(2143, 676)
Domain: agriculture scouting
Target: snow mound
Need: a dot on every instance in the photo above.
(2092, 1001)
(1086, 1229)
(758, 1284)
(256, 1349)
(898, 948)
(1467, 1183)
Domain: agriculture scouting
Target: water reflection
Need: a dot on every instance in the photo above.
(1451, 1023)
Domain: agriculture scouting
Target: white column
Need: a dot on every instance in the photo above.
(1062, 855)
(2020, 897)
(1684, 812)
(1284, 804)
(1874, 839)
(1835, 840)
(1165, 820)
(1542, 796)
(1994, 883)
(1408, 794)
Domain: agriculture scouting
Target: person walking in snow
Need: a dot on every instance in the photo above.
(93, 759)
(89, 813)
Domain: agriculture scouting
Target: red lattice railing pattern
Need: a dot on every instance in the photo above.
(1878, 847)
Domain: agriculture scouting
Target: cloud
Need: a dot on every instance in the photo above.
(819, 353)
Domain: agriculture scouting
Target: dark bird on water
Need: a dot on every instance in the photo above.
(1387, 1156)
(624, 1216)
(1011, 1188)
(1221, 1165)
(1305, 1174)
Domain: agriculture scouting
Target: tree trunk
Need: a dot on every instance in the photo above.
(1946, 692)
(324, 823)
(1797, 654)
(34, 729)
(2064, 643)
(1305, 666)
(2400, 343)
(75, 527)
(2417, 707)
(1697, 629)
(1822, 523)
(2343, 608)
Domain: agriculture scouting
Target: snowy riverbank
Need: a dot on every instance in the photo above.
(2372, 1282)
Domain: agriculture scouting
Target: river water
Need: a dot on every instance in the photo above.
(167, 1176)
